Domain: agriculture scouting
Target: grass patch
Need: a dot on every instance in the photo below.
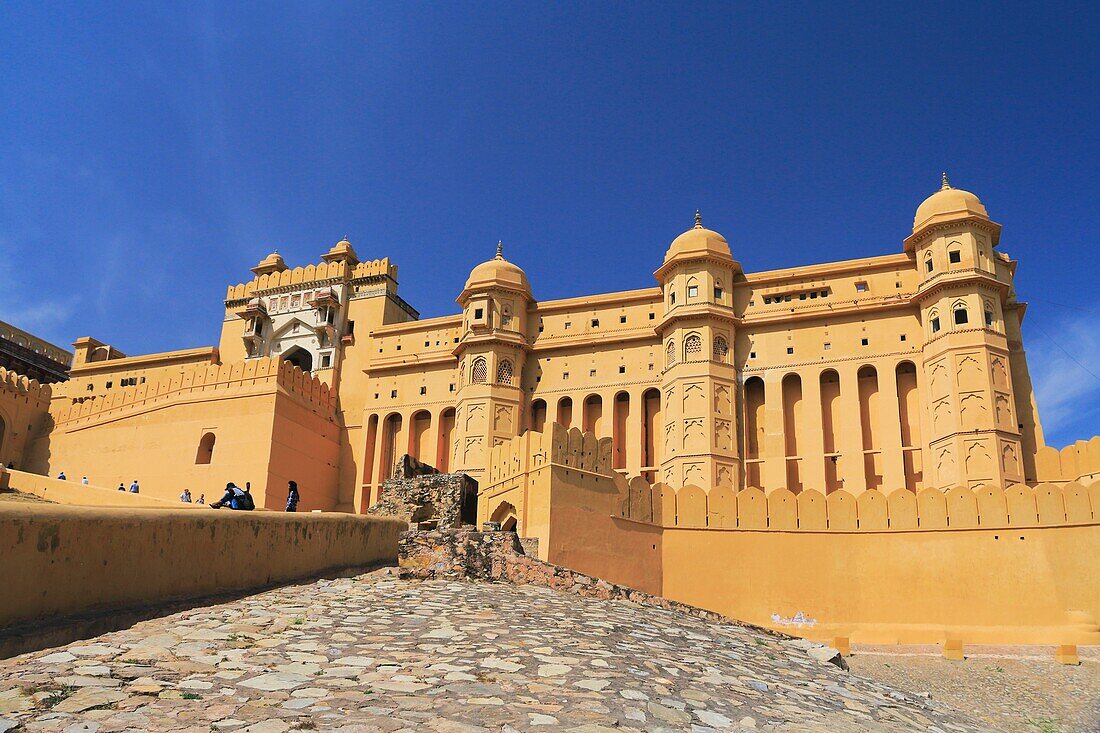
(298, 621)
(56, 696)
(191, 696)
(1044, 725)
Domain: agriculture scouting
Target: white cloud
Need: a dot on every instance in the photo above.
(1067, 385)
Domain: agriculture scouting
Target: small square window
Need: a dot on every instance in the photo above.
(451, 387)
(935, 325)
(622, 319)
(568, 325)
(651, 316)
(427, 343)
(954, 257)
(767, 301)
(786, 299)
(813, 295)
(897, 285)
(393, 394)
(375, 395)
(565, 375)
(861, 286)
(591, 372)
(863, 342)
(801, 296)
(456, 339)
(718, 293)
(622, 370)
(595, 323)
(824, 293)
(752, 354)
(540, 328)
(903, 337)
(538, 379)
(928, 265)
(650, 367)
(109, 384)
(479, 313)
(423, 390)
(90, 386)
(326, 361)
(790, 349)
(693, 291)
(399, 347)
(828, 346)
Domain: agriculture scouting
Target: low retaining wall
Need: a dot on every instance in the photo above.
(71, 491)
(63, 560)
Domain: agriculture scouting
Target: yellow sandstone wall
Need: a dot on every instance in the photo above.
(899, 568)
(24, 415)
(62, 560)
(269, 422)
(72, 492)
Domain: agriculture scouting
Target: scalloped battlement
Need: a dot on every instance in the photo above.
(1077, 462)
(229, 377)
(309, 274)
(11, 381)
(929, 509)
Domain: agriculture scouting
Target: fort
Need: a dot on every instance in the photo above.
(842, 450)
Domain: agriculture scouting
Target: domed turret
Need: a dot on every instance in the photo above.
(272, 263)
(498, 272)
(946, 204)
(698, 242)
(342, 251)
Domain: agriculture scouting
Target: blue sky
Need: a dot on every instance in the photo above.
(151, 153)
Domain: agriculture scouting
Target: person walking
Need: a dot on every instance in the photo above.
(134, 488)
(84, 480)
(185, 497)
(292, 497)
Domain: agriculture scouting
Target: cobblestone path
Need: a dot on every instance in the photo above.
(378, 654)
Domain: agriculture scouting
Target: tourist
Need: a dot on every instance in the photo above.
(121, 486)
(292, 497)
(185, 497)
(84, 480)
(202, 499)
(134, 488)
(61, 476)
(11, 465)
(237, 498)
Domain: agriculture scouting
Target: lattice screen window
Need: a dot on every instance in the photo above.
(480, 372)
(670, 354)
(721, 348)
(693, 347)
(504, 372)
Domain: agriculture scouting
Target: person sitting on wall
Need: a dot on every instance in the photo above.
(11, 465)
(292, 497)
(61, 476)
(185, 497)
(237, 498)
(202, 499)
(121, 486)
(84, 480)
(134, 488)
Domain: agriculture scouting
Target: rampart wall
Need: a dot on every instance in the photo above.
(898, 567)
(24, 412)
(261, 421)
(63, 560)
(1077, 462)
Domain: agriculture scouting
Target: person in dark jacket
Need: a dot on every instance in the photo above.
(235, 497)
(292, 497)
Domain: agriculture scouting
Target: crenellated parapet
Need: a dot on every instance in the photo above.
(321, 273)
(570, 448)
(1079, 461)
(721, 508)
(204, 382)
(20, 386)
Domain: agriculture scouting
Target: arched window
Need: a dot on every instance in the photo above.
(961, 318)
(721, 349)
(934, 320)
(206, 449)
(670, 354)
(479, 372)
(504, 372)
(693, 347)
(988, 314)
(928, 266)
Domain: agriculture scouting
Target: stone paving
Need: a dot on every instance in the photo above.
(376, 653)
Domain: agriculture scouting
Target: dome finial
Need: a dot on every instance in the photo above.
(945, 184)
(698, 220)
(500, 250)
